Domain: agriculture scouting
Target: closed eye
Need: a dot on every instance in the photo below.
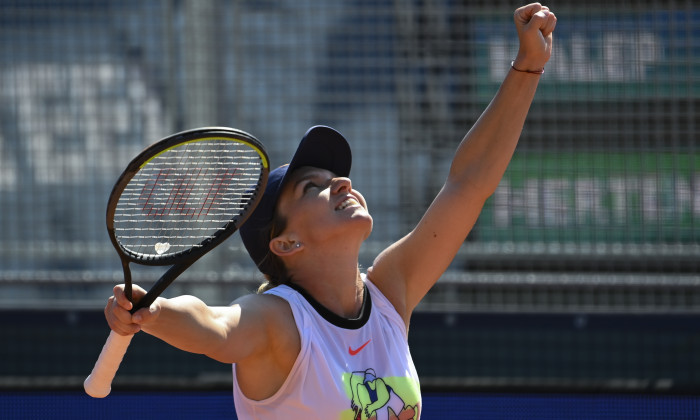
(316, 179)
(309, 185)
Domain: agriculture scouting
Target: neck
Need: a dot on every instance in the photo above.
(338, 286)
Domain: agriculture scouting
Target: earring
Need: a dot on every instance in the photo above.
(297, 245)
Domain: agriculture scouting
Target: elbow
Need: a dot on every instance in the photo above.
(472, 186)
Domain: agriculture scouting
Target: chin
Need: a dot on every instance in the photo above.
(361, 222)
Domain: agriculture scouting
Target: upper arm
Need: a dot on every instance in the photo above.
(251, 328)
(406, 270)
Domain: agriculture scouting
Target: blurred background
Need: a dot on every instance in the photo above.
(577, 293)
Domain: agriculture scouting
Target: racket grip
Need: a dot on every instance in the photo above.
(99, 383)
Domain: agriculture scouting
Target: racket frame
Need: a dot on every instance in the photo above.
(98, 383)
(181, 260)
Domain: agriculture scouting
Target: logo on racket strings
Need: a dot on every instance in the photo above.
(192, 192)
(162, 248)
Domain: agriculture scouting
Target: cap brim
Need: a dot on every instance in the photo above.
(325, 148)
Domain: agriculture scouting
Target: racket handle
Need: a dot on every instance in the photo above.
(99, 383)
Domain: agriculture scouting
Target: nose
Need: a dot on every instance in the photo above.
(340, 185)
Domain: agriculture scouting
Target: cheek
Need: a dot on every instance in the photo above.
(361, 198)
(308, 216)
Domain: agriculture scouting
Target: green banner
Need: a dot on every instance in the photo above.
(596, 197)
(624, 55)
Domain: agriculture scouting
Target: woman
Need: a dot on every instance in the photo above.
(324, 340)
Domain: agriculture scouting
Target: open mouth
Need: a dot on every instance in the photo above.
(348, 202)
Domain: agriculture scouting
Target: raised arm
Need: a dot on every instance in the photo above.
(409, 268)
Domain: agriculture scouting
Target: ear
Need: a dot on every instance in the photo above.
(284, 246)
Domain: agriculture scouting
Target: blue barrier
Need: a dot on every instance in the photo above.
(443, 406)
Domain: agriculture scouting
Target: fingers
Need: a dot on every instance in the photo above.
(136, 293)
(524, 14)
(544, 20)
(549, 25)
(536, 15)
(118, 315)
(121, 299)
(119, 318)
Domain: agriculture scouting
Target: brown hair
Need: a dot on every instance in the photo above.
(275, 270)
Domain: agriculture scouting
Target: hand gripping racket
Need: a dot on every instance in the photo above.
(176, 201)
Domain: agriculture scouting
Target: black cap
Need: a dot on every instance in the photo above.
(321, 147)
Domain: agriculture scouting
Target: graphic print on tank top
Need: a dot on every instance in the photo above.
(376, 398)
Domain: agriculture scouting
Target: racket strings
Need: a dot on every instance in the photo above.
(186, 195)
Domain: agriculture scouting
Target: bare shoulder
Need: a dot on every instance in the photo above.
(263, 371)
(270, 310)
(262, 301)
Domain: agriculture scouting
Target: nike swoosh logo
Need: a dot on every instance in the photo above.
(354, 352)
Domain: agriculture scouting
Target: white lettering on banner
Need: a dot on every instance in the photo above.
(591, 202)
(614, 57)
(76, 121)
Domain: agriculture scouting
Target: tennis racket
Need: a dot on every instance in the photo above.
(176, 201)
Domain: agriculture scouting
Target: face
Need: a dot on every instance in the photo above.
(318, 207)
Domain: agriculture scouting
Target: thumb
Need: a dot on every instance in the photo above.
(147, 315)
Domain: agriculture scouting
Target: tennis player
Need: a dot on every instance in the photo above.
(322, 339)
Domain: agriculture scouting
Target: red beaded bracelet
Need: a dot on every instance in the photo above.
(512, 64)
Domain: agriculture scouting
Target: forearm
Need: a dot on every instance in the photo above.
(189, 324)
(483, 155)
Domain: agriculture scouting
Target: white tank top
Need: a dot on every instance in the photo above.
(347, 368)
